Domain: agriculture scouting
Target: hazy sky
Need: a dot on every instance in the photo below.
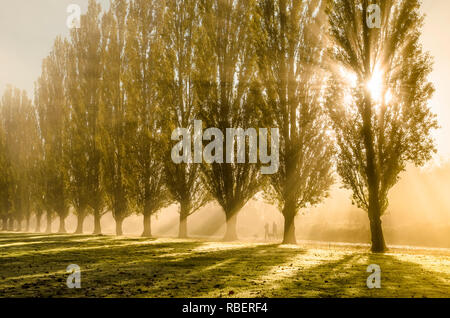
(28, 28)
(27, 31)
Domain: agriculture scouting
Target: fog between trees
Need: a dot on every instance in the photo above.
(350, 103)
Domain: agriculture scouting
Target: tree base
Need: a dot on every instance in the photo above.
(230, 237)
(378, 250)
(119, 229)
(97, 224)
(231, 230)
(289, 242)
(377, 236)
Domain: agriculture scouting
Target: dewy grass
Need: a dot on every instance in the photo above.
(137, 267)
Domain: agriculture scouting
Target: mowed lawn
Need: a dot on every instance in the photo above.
(34, 265)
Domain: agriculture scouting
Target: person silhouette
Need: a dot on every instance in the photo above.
(266, 231)
(274, 230)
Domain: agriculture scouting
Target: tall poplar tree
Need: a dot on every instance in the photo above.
(378, 98)
(114, 112)
(181, 31)
(290, 49)
(51, 102)
(226, 92)
(145, 146)
(38, 179)
(19, 124)
(84, 84)
(6, 180)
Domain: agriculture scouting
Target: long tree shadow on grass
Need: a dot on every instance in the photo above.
(347, 277)
(16, 241)
(10, 237)
(48, 244)
(156, 269)
(135, 267)
(25, 273)
(216, 273)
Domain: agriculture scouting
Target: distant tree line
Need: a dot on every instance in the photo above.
(97, 137)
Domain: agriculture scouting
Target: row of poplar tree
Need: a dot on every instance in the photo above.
(97, 137)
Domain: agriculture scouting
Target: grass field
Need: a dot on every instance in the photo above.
(34, 265)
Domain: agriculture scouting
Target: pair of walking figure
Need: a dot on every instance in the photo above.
(268, 234)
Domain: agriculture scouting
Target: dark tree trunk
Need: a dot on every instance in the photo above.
(182, 231)
(10, 224)
(119, 223)
(376, 231)
(27, 223)
(80, 221)
(147, 225)
(38, 223)
(49, 223)
(373, 177)
(289, 224)
(97, 225)
(5, 223)
(231, 233)
(62, 225)
(19, 225)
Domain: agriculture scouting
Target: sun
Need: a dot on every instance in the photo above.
(375, 85)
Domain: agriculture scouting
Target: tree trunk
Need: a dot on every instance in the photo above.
(27, 224)
(147, 225)
(231, 234)
(80, 220)
(62, 225)
(5, 223)
(373, 177)
(289, 224)
(119, 223)
(38, 223)
(376, 231)
(49, 223)
(182, 231)
(19, 225)
(97, 225)
(10, 224)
